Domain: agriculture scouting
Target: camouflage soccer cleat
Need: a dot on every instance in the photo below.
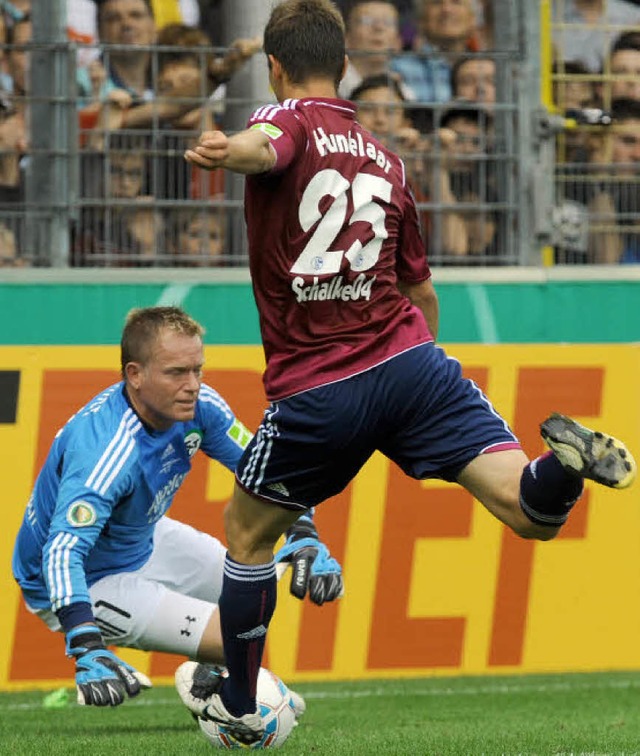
(199, 687)
(590, 454)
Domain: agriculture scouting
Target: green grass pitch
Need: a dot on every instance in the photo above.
(595, 713)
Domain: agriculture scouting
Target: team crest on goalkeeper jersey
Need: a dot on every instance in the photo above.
(192, 441)
(81, 514)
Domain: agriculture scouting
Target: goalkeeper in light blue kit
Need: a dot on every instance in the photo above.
(97, 557)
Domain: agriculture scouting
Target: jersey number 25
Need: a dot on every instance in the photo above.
(316, 258)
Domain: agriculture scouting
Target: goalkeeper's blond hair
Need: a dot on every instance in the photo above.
(143, 326)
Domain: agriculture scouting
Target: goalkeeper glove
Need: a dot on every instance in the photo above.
(314, 570)
(101, 678)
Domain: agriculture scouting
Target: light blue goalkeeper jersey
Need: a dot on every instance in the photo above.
(105, 483)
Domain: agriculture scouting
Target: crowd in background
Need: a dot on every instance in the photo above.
(152, 74)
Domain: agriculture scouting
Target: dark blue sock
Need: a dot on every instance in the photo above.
(548, 491)
(247, 603)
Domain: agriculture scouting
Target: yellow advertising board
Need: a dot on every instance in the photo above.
(434, 585)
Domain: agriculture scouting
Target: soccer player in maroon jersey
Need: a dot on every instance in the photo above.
(349, 318)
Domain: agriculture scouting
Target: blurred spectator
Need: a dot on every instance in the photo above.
(590, 27)
(129, 98)
(474, 79)
(381, 110)
(18, 38)
(573, 86)
(372, 37)
(614, 188)
(13, 143)
(485, 26)
(445, 31)
(574, 91)
(125, 89)
(464, 178)
(123, 22)
(185, 61)
(122, 226)
(5, 78)
(624, 67)
(200, 238)
(406, 16)
(82, 19)
(187, 72)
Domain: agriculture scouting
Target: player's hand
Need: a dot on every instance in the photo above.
(210, 152)
(314, 570)
(101, 678)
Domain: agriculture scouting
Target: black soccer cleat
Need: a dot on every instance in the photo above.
(196, 683)
(589, 454)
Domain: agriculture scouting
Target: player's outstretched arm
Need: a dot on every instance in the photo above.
(246, 152)
(101, 678)
(314, 570)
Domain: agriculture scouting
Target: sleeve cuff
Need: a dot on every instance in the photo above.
(75, 614)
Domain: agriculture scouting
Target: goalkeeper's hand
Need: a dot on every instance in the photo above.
(101, 678)
(314, 570)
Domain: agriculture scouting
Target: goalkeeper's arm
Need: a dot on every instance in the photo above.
(101, 678)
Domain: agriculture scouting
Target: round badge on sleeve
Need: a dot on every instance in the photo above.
(192, 441)
(81, 514)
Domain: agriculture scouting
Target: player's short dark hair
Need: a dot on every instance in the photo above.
(142, 326)
(625, 109)
(307, 39)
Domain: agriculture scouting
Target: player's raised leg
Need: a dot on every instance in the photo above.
(533, 504)
(534, 498)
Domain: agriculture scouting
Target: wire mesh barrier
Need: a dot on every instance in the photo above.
(92, 173)
(596, 86)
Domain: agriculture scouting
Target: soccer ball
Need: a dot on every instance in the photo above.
(278, 707)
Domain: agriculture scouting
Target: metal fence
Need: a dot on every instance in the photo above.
(106, 185)
(597, 90)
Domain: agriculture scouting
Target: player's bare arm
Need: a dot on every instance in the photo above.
(247, 152)
(423, 296)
